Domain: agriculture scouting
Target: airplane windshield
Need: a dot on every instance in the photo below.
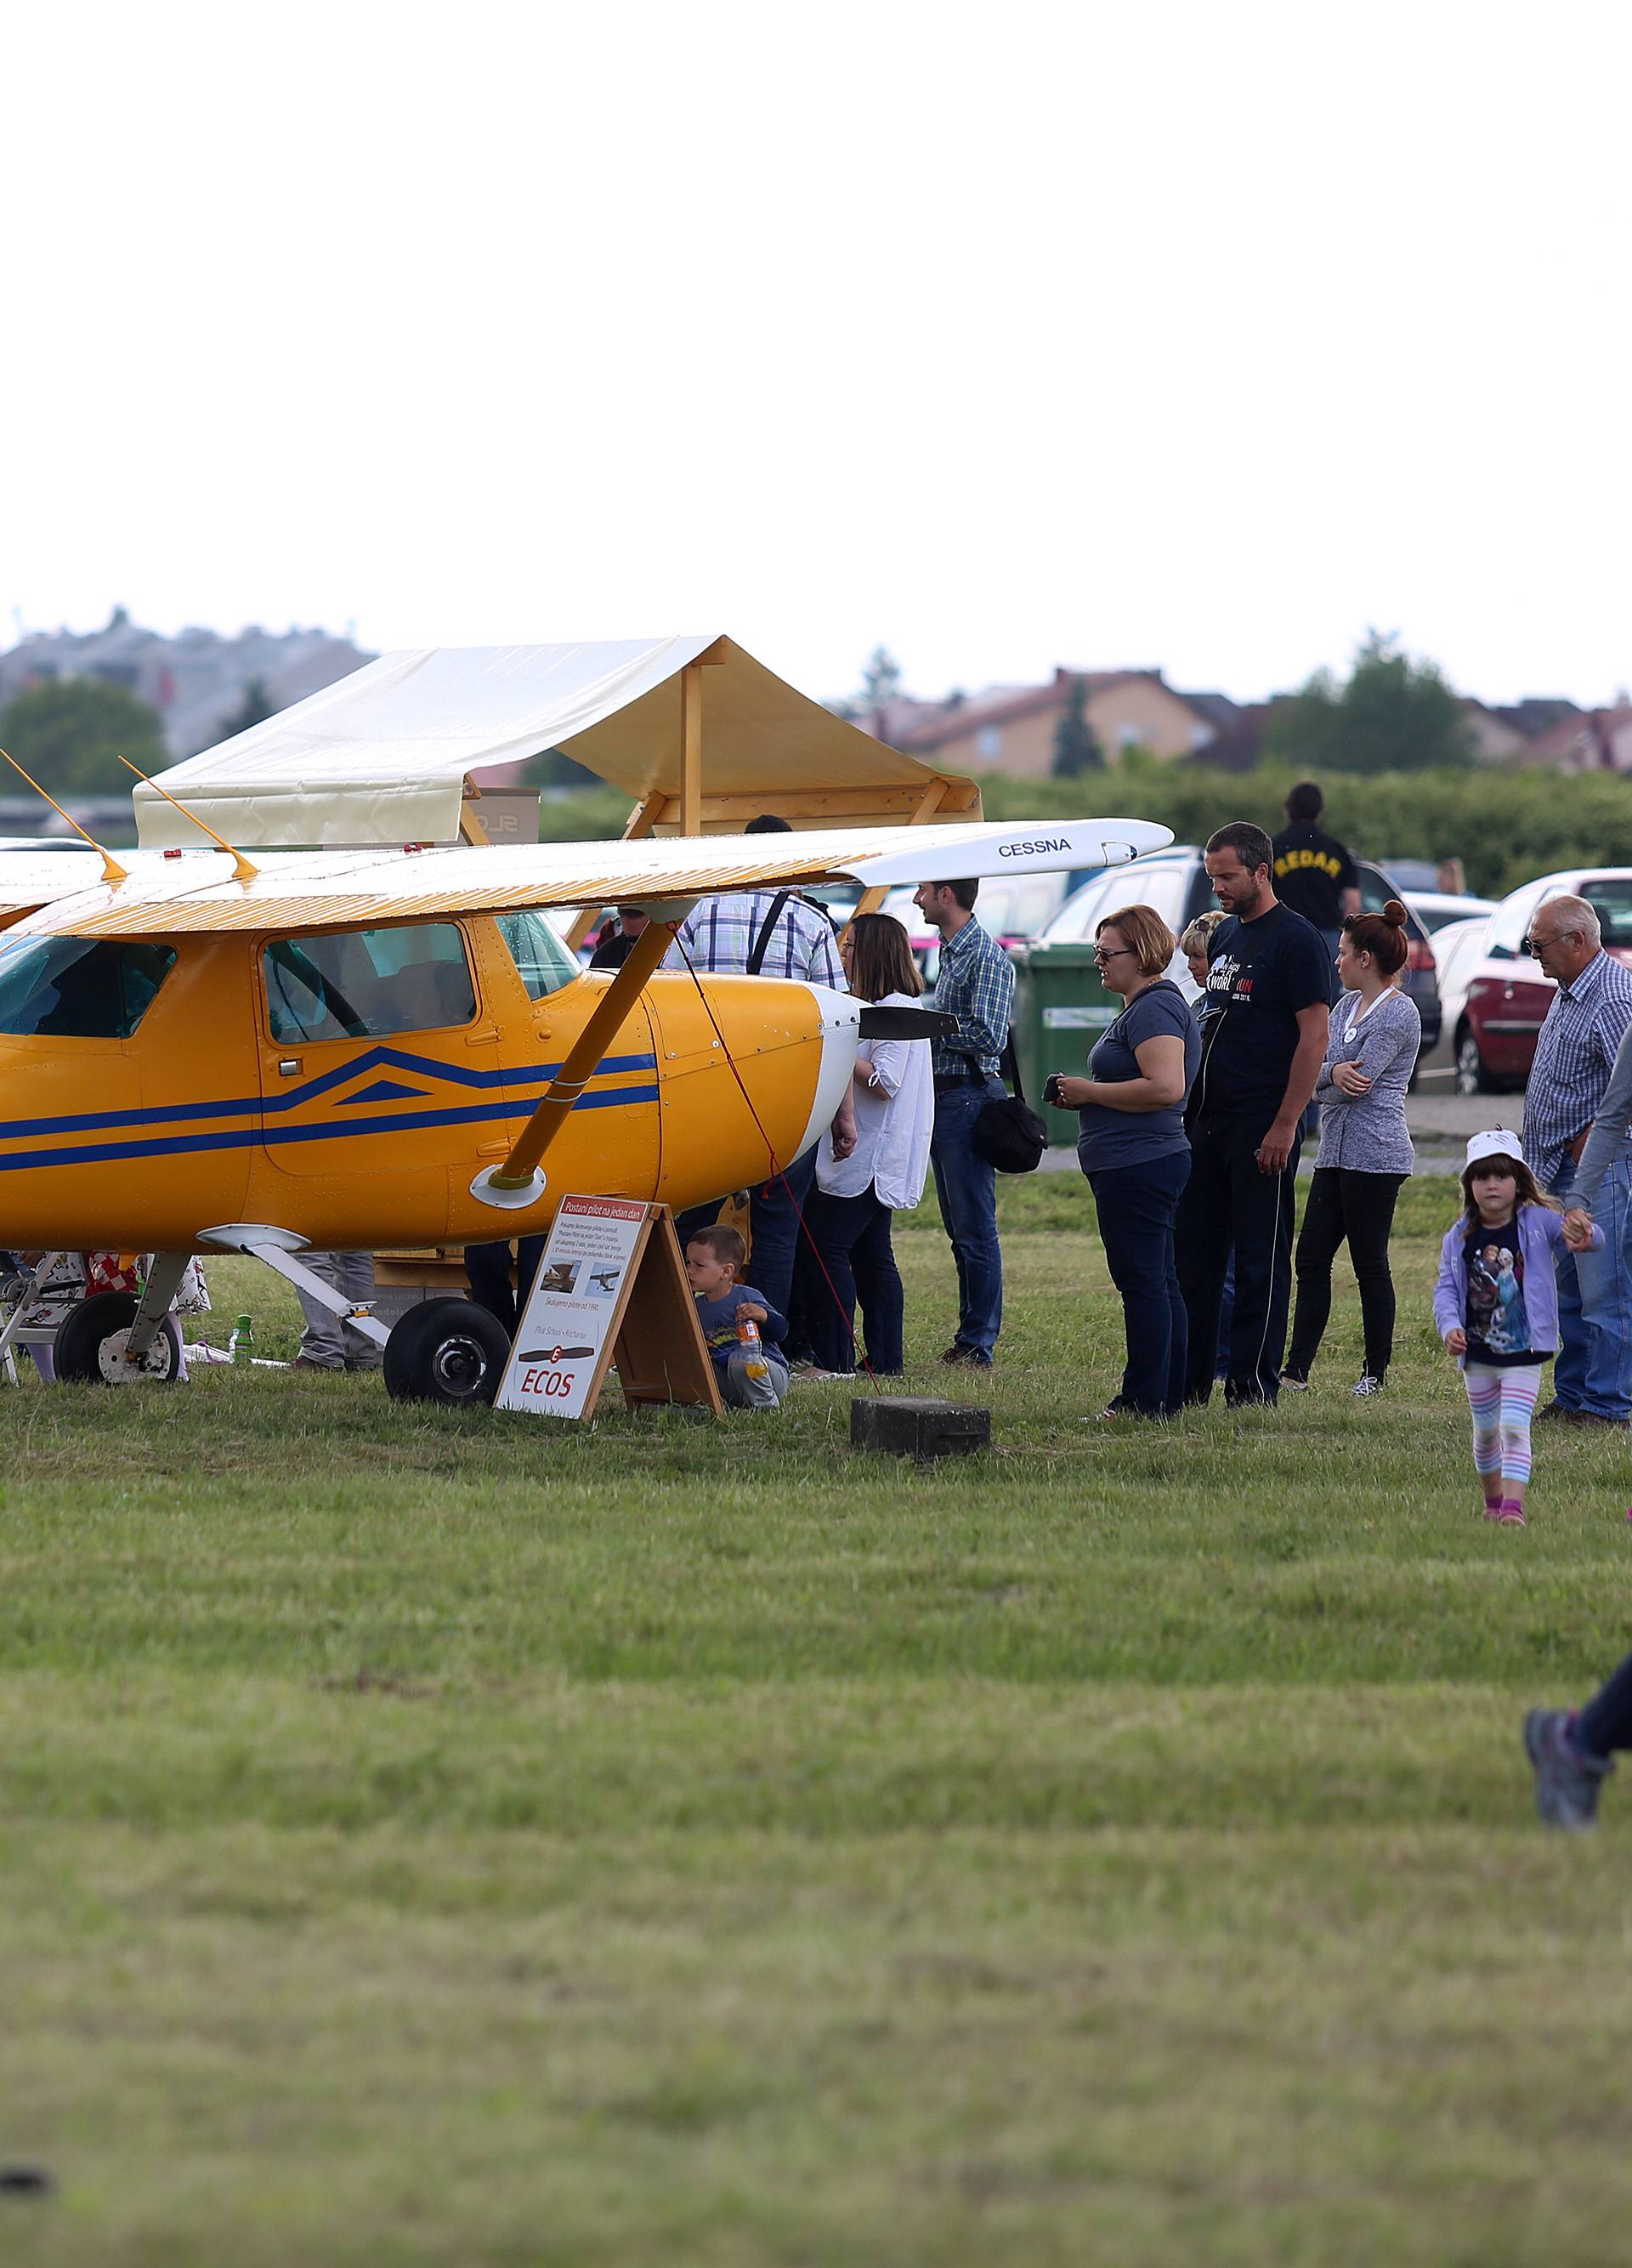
(544, 960)
(78, 988)
(368, 983)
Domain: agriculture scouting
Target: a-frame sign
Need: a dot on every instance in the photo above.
(611, 1288)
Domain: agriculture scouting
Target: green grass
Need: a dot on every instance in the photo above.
(450, 1839)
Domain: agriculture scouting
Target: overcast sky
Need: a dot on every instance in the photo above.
(1192, 335)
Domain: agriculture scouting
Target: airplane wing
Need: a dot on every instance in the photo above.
(32, 879)
(169, 893)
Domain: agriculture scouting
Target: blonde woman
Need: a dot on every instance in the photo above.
(1134, 1151)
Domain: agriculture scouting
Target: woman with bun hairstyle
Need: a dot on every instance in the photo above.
(1365, 1152)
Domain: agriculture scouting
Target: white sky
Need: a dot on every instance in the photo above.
(1195, 335)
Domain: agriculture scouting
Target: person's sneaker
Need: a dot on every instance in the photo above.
(1363, 1387)
(1567, 1782)
(959, 1357)
(1592, 1417)
(1555, 1412)
(1295, 1385)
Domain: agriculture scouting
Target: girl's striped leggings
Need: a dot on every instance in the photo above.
(1503, 1400)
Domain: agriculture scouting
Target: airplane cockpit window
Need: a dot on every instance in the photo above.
(544, 960)
(368, 983)
(78, 988)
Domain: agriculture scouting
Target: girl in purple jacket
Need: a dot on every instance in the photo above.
(1495, 1306)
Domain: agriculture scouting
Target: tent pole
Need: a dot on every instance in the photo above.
(691, 749)
(929, 803)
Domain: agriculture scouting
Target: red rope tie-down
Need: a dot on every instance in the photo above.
(776, 1173)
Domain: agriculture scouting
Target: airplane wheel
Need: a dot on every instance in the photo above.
(90, 1344)
(446, 1350)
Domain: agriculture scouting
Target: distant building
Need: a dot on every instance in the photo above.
(1010, 728)
(1526, 732)
(196, 681)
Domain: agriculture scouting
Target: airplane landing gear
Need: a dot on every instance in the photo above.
(448, 1351)
(92, 1340)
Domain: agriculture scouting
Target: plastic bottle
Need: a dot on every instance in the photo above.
(748, 1336)
(242, 1345)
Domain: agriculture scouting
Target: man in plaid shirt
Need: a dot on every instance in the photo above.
(719, 940)
(720, 935)
(976, 985)
(1574, 1055)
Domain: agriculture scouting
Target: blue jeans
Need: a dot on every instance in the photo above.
(1594, 1370)
(967, 1189)
(1135, 1205)
(852, 1238)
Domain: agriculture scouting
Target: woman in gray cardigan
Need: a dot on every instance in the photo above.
(1365, 1152)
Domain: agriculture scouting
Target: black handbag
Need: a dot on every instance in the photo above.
(1008, 1134)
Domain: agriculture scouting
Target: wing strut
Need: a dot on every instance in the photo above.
(518, 1182)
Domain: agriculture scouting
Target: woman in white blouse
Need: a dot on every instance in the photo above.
(850, 1212)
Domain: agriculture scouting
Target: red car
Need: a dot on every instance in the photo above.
(1508, 997)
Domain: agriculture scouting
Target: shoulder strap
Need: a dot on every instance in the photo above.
(1009, 1065)
(762, 943)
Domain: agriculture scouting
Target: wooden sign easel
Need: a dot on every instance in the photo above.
(611, 1288)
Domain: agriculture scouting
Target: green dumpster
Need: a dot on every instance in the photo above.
(1060, 1009)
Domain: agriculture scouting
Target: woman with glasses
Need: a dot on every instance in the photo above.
(1134, 1150)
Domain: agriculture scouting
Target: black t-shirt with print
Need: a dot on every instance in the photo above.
(1311, 870)
(1259, 975)
(1497, 1327)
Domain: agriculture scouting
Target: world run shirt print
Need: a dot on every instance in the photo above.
(1259, 975)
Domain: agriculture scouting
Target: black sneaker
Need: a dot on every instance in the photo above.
(1566, 1781)
(959, 1357)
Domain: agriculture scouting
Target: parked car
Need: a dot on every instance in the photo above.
(1458, 949)
(1436, 909)
(1175, 883)
(1508, 996)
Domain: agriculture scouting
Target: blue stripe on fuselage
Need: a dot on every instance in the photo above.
(248, 1137)
(171, 1113)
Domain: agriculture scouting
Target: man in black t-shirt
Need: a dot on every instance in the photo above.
(1314, 871)
(1263, 1038)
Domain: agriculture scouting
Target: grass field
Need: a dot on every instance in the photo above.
(442, 1839)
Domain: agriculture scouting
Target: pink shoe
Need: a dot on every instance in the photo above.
(1510, 1516)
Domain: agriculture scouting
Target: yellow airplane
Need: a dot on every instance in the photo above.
(376, 1049)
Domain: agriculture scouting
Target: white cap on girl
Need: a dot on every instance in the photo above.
(1498, 1143)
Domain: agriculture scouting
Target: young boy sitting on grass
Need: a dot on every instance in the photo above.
(750, 1377)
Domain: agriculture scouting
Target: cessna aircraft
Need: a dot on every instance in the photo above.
(377, 1049)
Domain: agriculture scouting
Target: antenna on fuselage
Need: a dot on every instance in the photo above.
(112, 870)
(242, 871)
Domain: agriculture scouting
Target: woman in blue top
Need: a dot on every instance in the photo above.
(1134, 1151)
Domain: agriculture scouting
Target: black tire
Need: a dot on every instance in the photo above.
(448, 1351)
(1471, 1077)
(85, 1331)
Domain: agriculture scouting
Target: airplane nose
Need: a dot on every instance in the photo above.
(840, 1016)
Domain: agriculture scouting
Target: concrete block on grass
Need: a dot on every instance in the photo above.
(916, 1427)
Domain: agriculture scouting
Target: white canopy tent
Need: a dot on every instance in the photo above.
(697, 731)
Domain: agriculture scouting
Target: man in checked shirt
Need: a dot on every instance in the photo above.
(1575, 1054)
(975, 984)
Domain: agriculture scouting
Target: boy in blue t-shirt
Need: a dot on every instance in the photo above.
(713, 1262)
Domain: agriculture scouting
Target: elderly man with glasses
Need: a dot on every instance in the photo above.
(1590, 1015)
